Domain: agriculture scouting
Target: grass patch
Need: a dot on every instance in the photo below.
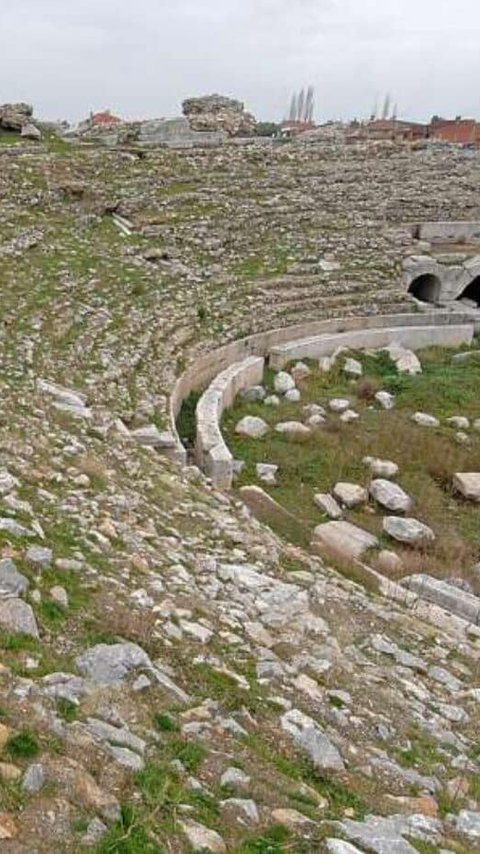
(23, 745)
(165, 723)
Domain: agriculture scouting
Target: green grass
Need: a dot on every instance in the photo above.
(165, 723)
(23, 745)
(427, 458)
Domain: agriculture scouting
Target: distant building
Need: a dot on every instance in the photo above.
(294, 128)
(101, 119)
(457, 131)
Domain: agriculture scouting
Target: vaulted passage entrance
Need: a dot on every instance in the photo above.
(425, 288)
(472, 291)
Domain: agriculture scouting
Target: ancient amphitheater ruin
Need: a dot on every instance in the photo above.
(177, 674)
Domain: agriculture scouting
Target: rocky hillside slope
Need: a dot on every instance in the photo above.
(173, 676)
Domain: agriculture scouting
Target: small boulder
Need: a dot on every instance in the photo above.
(425, 420)
(468, 485)
(343, 539)
(293, 429)
(252, 427)
(327, 504)
(381, 468)
(350, 494)
(339, 404)
(409, 531)
(390, 495)
(293, 396)
(352, 368)
(283, 382)
(385, 399)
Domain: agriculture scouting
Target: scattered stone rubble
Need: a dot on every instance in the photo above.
(190, 642)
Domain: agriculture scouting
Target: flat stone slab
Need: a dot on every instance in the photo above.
(308, 735)
(409, 531)
(390, 495)
(381, 468)
(344, 539)
(468, 485)
(445, 595)
(327, 504)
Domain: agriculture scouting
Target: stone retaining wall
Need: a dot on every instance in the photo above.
(213, 456)
(411, 337)
(206, 367)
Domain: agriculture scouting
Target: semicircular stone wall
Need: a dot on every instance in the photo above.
(239, 365)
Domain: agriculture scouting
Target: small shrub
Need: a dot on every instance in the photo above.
(165, 723)
(367, 388)
(24, 745)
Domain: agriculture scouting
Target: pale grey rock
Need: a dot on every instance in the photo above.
(12, 582)
(252, 427)
(272, 400)
(14, 528)
(349, 415)
(344, 539)
(350, 494)
(385, 399)
(314, 409)
(446, 595)
(30, 131)
(468, 823)
(283, 382)
(390, 495)
(34, 778)
(293, 395)
(389, 562)
(111, 664)
(327, 504)
(444, 677)
(300, 371)
(405, 360)
(126, 758)
(235, 778)
(339, 846)
(353, 368)
(315, 421)
(201, 838)
(16, 616)
(425, 420)
(468, 485)
(59, 595)
(308, 735)
(245, 810)
(408, 530)
(254, 393)
(386, 835)
(150, 436)
(106, 733)
(266, 473)
(96, 829)
(293, 429)
(381, 468)
(7, 482)
(459, 421)
(339, 404)
(39, 557)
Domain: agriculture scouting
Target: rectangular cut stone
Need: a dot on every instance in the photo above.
(468, 484)
(447, 596)
(343, 539)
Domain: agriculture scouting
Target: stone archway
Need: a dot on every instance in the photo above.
(472, 291)
(425, 288)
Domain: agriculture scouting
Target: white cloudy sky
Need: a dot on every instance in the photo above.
(142, 57)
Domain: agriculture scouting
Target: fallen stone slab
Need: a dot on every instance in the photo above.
(468, 485)
(343, 539)
(390, 495)
(445, 595)
(308, 735)
(408, 530)
(405, 360)
(386, 835)
(327, 504)
(111, 664)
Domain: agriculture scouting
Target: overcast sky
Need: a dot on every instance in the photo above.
(141, 58)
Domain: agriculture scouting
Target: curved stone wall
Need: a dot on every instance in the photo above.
(213, 455)
(205, 368)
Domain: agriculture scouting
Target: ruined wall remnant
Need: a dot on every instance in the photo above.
(217, 113)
